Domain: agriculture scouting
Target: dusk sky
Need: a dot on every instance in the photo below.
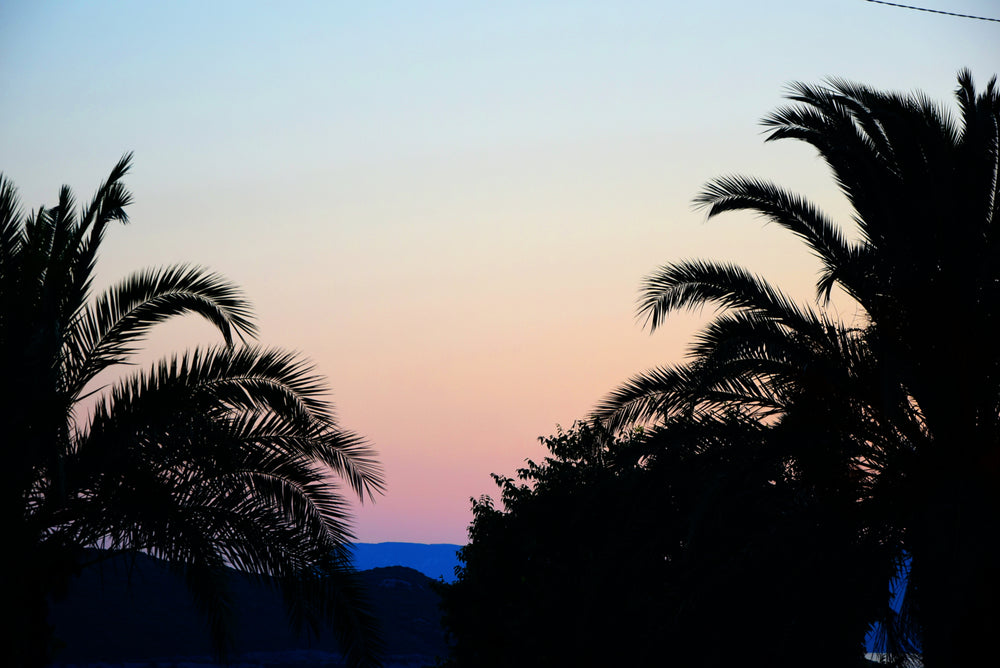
(447, 206)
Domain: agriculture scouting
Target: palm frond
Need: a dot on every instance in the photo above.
(229, 382)
(333, 595)
(108, 205)
(693, 284)
(643, 399)
(225, 443)
(109, 202)
(739, 193)
(107, 332)
(10, 248)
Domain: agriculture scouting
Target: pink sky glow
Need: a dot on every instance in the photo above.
(447, 206)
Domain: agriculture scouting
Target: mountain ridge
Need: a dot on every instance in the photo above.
(437, 561)
(135, 609)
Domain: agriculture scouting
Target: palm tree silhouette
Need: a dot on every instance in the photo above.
(217, 458)
(915, 389)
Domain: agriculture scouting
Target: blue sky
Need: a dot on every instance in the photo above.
(448, 206)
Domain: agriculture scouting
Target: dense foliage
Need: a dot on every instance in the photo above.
(686, 545)
(799, 460)
(220, 457)
(549, 579)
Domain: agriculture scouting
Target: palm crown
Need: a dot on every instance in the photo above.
(217, 458)
(913, 394)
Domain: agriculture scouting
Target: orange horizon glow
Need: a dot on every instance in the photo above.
(448, 207)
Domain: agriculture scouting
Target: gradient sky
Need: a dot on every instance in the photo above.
(448, 206)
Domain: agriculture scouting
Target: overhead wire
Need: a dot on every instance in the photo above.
(935, 11)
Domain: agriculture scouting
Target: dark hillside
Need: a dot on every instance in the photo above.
(126, 611)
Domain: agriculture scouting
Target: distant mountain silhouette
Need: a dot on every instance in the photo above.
(436, 561)
(136, 610)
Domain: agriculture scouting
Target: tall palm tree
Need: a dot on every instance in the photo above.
(219, 458)
(824, 445)
(924, 269)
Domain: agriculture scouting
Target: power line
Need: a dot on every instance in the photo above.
(935, 11)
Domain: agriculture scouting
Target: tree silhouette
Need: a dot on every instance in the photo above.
(691, 544)
(567, 571)
(911, 398)
(217, 458)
